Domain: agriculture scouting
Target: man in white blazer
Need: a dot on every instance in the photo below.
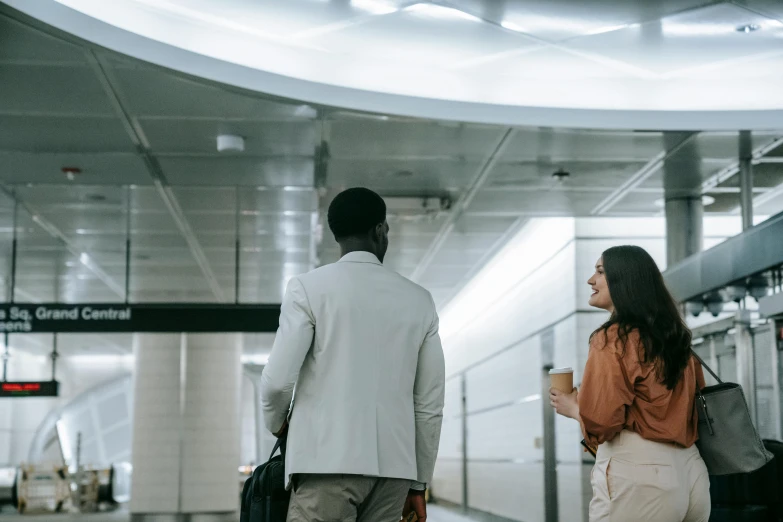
(359, 344)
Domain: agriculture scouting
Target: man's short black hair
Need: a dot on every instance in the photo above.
(354, 212)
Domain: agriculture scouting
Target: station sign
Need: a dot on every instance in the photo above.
(29, 389)
(127, 318)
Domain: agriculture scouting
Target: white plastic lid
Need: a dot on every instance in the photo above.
(554, 371)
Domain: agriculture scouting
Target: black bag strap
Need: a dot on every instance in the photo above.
(279, 445)
(704, 365)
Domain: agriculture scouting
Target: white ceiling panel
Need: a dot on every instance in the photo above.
(21, 44)
(96, 169)
(233, 171)
(686, 40)
(564, 19)
(404, 177)
(198, 136)
(420, 37)
(58, 134)
(357, 139)
(60, 90)
(540, 203)
(153, 92)
(539, 175)
(570, 145)
(770, 8)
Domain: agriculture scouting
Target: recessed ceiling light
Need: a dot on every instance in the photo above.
(748, 28)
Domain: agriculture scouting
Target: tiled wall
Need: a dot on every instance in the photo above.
(186, 423)
(211, 423)
(157, 423)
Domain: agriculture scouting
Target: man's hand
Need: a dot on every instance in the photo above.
(282, 430)
(415, 503)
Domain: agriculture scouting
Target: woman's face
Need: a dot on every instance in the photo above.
(600, 298)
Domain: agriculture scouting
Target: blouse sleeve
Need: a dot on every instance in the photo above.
(606, 392)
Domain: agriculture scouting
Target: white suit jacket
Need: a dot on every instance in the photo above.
(361, 345)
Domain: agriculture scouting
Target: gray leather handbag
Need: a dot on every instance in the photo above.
(728, 441)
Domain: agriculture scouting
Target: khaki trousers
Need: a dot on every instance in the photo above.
(642, 481)
(346, 498)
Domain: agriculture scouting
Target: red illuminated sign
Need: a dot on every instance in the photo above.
(29, 389)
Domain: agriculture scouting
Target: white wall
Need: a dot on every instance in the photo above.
(495, 343)
(21, 417)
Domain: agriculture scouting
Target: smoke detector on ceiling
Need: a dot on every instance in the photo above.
(561, 175)
(230, 143)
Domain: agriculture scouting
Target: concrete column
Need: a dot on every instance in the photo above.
(186, 431)
(254, 373)
(682, 193)
(211, 424)
(157, 423)
(684, 228)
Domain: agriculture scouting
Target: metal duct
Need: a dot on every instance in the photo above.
(755, 250)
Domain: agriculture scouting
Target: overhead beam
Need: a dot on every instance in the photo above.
(642, 175)
(732, 169)
(113, 92)
(462, 204)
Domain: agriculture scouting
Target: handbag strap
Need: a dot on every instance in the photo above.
(279, 445)
(704, 365)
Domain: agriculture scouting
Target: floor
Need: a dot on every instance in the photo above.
(435, 514)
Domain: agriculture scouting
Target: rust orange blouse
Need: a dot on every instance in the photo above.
(619, 392)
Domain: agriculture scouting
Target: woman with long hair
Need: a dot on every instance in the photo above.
(636, 401)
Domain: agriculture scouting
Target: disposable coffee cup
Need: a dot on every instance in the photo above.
(562, 379)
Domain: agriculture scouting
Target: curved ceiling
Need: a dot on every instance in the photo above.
(628, 64)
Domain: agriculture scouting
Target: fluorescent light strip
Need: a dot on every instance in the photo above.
(376, 7)
(441, 11)
(511, 26)
(255, 359)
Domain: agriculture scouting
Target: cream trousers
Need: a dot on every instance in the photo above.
(636, 480)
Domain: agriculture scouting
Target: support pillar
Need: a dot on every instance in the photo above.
(746, 178)
(682, 194)
(684, 228)
(265, 441)
(186, 427)
(746, 365)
